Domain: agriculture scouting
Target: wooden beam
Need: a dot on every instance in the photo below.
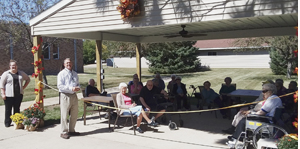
(138, 61)
(37, 42)
(99, 64)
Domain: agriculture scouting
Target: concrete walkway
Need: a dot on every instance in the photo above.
(199, 131)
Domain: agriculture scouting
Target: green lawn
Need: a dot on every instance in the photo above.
(246, 78)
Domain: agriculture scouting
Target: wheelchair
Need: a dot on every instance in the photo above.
(259, 132)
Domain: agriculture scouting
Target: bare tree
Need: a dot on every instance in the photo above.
(14, 23)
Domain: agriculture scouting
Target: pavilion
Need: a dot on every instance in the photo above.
(159, 20)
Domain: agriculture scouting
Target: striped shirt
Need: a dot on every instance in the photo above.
(66, 80)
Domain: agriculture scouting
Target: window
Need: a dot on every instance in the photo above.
(55, 51)
(46, 51)
(212, 53)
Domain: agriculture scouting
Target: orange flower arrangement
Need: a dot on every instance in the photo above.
(128, 8)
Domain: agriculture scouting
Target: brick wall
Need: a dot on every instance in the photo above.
(52, 66)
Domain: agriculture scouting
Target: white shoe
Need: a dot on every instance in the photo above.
(231, 144)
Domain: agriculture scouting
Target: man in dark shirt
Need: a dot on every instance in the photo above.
(91, 90)
(147, 96)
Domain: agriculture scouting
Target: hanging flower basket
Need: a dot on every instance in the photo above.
(128, 8)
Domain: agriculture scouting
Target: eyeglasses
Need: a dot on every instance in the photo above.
(264, 91)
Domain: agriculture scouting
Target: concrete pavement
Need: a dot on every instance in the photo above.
(199, 131)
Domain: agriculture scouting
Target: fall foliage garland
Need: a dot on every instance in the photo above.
(128, 8)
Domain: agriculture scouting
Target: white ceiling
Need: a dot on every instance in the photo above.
(276, 25)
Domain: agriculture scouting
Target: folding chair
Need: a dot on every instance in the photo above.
(196, 94)
(120, 115)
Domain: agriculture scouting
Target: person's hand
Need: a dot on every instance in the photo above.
(133, 105)
(3, 96)
(148, 109)
(246, 112)
(75, 89)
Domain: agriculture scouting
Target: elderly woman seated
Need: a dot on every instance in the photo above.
(124, 102)
(271, 102)
(210, 96)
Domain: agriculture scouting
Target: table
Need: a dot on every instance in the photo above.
(102, 99)
(245, 93)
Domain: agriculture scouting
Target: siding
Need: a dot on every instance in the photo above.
(101, 15)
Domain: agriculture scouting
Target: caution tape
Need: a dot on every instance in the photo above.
(194, 111)
(179, 112)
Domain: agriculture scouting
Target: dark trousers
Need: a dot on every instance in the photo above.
(12, 102)
(181, 98)
(220, 104)
(242, 125)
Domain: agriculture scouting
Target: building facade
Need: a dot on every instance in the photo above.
(54, 55)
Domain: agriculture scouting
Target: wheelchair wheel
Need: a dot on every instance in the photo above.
(173, 126)
(267, 132)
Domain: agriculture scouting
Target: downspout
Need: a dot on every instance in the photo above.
(75, 52)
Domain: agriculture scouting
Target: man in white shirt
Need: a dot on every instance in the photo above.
(68, 85)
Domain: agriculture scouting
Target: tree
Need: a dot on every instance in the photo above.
(172, 57)
(89, 52)
(283, 59)
(281, 49)
(120, 49)
(14, 23)
(14, 20)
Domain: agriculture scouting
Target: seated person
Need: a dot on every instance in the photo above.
(136, 87)
(133, 77)
(288, 101)
(147, 98)
(241, 113)
(268, 108)
(171, 83)
(281, 90)
(161, 82)
(211, 96)
(180, 92)
(226, 89)
(124, 102)
(91, 90)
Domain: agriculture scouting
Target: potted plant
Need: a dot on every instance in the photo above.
(18, 118)
(31, 123)
(35, 112)
(288, 141)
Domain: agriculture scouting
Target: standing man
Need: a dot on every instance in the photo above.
(68, 85)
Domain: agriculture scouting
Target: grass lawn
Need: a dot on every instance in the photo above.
(246, 78)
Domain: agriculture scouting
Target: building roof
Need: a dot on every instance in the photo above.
(218, 44)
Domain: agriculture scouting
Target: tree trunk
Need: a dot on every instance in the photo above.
(288, 73)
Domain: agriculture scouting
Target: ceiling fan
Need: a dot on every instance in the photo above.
(183, 33)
